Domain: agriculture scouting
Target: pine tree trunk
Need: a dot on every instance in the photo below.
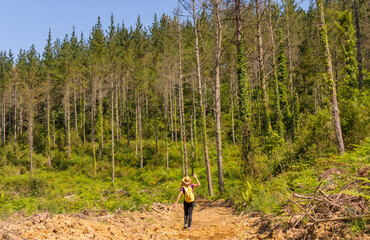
(48, 123)
(275, 77)
(166, 141)
(84, 116)
(330, 79)
(112, 126)
(93, 124)
(291, 84)
(181, 106)
(67, 119)
(171, 114)
(140, 132)
(261, 66)
(136, 125)
(53, 115)
(156, 134)
(4, 122)
(192, 145)
(127, 120)
(175, 114)
(118, 125)
(30, 133)
(243, 96)
(101, 123)
(358, 44)
(202, 112)
(75, 110)
(232, 109)
(15, 115)
(218, 97)
(195, 120)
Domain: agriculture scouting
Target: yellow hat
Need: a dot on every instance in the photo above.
(186, 180)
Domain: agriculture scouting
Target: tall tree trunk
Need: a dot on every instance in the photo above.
(192, 145)
(218, 96)
(291, 83)
(175, 113)
(275, 77)
(84, 116)
(166, 141)
(140, 131)
(358, 44)
(67, 118)
(243, 95)
(136, 124)
(171, 114)
(20, 117)
(232, 108)
(15, 107)
(261, 65)
(202, 112)
(181, 105)
(112, 126)
(329, 77)
(30, 133)
(93, 124)
(4, 122)
(53, 115)
(75, 109)
(48, 121)
(118, 125)
(127, 120)
(195, 120)
(156, 134)
(101, 120)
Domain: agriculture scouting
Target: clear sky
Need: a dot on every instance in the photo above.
(27, 22)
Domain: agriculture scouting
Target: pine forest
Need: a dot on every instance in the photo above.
(266, 102)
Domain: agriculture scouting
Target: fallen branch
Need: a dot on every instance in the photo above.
(306, 213)
(156, 210)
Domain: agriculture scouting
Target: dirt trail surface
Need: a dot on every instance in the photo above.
(211, 220)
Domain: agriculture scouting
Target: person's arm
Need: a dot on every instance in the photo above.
(198, 183)
(178, 198)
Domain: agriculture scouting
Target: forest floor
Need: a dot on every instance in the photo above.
(211, 220)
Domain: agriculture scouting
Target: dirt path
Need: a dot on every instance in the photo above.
(211, 220)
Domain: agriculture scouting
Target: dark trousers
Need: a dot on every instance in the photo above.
(188, 212)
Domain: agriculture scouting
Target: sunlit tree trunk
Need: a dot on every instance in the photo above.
(201, 104)
(75, 109)
(218, 95)
(140, 131)
(112, 125)
(48, 120)
(329, 76)
(136, 125)
(181, 106)
(261, 64)
(4, 122)
(30, 132)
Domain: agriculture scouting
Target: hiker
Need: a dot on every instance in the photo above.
(187, 189)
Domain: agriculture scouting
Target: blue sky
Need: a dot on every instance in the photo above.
(27, 22)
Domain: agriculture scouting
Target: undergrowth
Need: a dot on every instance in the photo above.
(69, 185)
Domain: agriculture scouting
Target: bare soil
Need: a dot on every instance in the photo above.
(211, 220)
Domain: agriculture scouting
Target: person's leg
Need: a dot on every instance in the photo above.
(186, 213)
(190, 212)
